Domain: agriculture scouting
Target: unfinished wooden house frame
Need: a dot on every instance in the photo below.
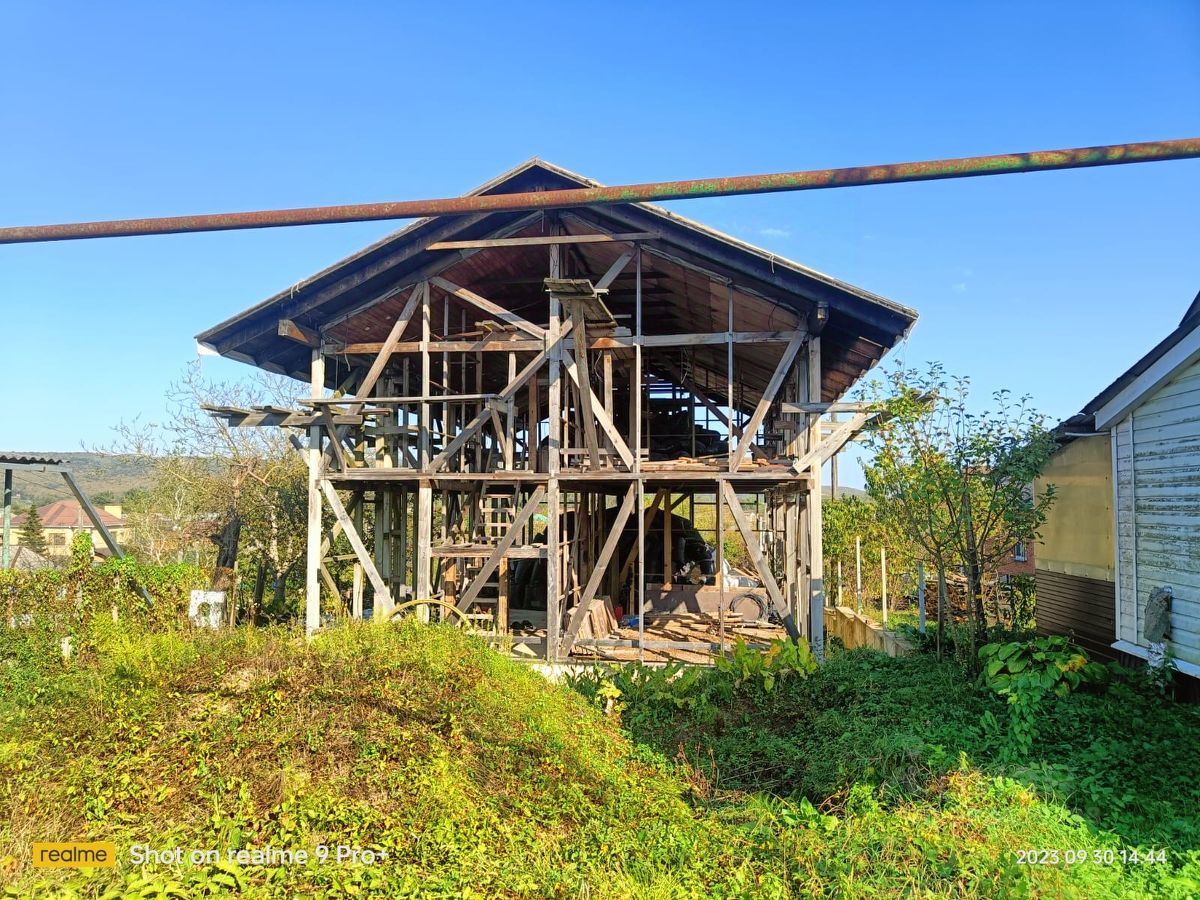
(515, 400)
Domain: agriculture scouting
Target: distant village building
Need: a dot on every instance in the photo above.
(1127, 517)
(63, 519)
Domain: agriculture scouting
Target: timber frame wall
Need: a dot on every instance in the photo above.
(422, 434)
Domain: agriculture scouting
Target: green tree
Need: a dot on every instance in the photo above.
(33, 536)
(957, 481)
(246, 487)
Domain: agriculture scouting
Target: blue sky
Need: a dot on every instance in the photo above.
(1049, 284)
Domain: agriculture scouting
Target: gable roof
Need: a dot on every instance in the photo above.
(861, 326)
(69, 514)
(1175, 351)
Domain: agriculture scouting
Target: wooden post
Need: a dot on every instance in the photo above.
(635, 388)
(733, 437)
(720, 541)
(8, 491)
(668, 559)
(943, 598)
(424, 454)
(858, 574)
(635, 385)
(883, 580)
(816, 545)
(833, 464)
(554, 446)
(312, 571)
(424, 539)
(921, 597)
(357, 580)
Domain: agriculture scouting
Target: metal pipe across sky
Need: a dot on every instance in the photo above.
(811, 180)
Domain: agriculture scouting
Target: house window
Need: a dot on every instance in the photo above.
(58, 539)
(1019, 552)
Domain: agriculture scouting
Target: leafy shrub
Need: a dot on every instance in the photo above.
(1029, 672)
(783, 659)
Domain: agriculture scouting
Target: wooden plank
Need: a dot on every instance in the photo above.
(301, 334)
(490, 564)
(752, 546)
(541, 240)
(382, 594)
(599, 568)
(488, 306)
(760, 412)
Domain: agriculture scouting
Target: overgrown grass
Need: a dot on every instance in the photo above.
(908, 752)
(478, 778)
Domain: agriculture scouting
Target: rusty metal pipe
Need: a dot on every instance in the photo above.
(817, 179)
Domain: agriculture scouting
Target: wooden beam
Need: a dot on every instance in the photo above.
(816, 547)
(294, 331)
(489, 566)
(424, 540)
(554, 446)
(614, 271)
(335, 437)
(488, 306)
(382, 594)
(94, 517)
(753, 547)
(800, 408)
(832, 443)
(501, 342)
(393, 338)
(543, 240)
(585, 384)
(312, 571)
(760, 412)
(92, 514)
(599, 568)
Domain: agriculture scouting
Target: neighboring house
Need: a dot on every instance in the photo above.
(63, 519)
(1019, 561)
(1127, 517)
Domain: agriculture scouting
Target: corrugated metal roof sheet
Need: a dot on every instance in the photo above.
(22, 459)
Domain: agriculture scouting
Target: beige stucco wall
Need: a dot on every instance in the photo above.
(1077, 538)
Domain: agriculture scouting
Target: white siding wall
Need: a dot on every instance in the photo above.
(1158, 481)
(1127, 620)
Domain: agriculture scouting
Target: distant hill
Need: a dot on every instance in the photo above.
(846, 492)
(100, 475)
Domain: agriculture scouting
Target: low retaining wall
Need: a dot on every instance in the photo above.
(857, 630)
